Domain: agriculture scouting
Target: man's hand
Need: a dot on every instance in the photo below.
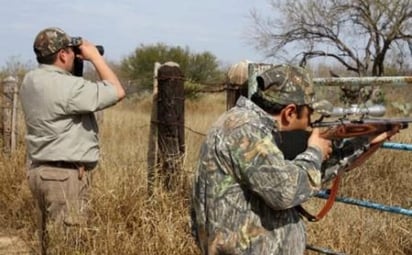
(89, 51)
(325, 145)
(385, 135)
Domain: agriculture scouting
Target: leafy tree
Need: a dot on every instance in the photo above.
(197, 68)
(358, 34)
(203, 68)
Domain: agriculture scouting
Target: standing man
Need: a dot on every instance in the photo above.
(245, 191)
(62, 133)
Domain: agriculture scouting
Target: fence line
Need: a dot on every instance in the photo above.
(10, 107)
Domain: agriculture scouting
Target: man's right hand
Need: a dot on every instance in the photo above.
(89, 51)
(325, 145)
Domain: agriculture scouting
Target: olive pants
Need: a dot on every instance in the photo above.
(61, 201)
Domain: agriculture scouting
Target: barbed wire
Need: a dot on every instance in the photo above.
(194, 131)
(176, 124)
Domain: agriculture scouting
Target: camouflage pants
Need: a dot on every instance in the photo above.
(61, 200)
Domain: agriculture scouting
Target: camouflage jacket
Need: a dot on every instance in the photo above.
(244, 190)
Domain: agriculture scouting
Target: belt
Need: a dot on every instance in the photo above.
(59, 164)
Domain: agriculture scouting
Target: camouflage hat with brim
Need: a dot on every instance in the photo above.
(51, 40)
(286, 84)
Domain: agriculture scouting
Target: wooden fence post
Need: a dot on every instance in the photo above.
(152, 148)
(10, 92)
(233, 92)
(170, 115)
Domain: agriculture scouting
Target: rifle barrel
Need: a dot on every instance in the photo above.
(364, 81)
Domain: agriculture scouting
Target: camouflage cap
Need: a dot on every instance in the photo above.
(51, 40)
(286, 84)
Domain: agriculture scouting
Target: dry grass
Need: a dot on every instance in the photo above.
(126, 221)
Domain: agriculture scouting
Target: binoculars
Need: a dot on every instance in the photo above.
(78, 62)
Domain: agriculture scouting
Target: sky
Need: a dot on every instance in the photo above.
(217, 26)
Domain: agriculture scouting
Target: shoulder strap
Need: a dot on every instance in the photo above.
(328, 205)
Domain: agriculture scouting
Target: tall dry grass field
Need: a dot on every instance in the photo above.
(125, 220)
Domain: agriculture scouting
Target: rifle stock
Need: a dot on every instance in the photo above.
(364, 127)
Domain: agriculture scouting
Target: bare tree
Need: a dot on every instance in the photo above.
(358, 34)
(15, 67)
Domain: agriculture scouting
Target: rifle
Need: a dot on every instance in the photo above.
(351, 134)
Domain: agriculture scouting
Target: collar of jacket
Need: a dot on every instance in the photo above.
(53, 68)
(267, 119)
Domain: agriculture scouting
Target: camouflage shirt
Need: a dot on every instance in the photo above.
(244, 190)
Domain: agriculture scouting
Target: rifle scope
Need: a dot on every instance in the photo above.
(373, 111)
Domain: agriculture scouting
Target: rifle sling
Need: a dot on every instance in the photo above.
(328, 205)
(335, 186)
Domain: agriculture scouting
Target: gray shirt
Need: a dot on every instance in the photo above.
(58, 109)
